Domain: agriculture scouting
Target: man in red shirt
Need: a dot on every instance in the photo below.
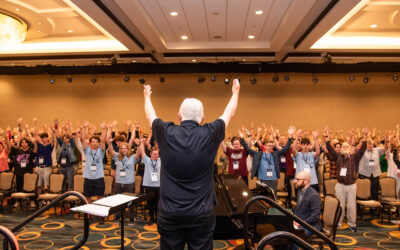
(237, 159)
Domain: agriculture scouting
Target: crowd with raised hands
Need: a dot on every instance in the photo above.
(58, 146)
(360, 153)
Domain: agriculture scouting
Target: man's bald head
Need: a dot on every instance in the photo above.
(303, 179)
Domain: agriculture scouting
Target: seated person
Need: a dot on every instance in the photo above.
(309, 203)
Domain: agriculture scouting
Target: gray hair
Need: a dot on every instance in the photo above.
(192, 109)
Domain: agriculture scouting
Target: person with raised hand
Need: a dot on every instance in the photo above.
(187, 151)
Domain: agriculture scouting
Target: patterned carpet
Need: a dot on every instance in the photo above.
(51, 231)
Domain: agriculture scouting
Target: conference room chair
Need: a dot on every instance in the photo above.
(6, 180)
(389, 198)
(281, 189)
(364, 198)
(55, 189)
(78, 187)
(329, 186)
(29, 192)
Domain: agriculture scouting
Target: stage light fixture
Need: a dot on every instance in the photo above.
(69, 78)
(94, 80)
(201, 79)
(352, 77)
(275, 79)
(162, 79)
(126, 78)
(395, 77)
(365, 79)
(253, 80)
(213, 78)
(287, 78)
(142, 81)
(52, 80)
(226, 80)
(315, 79)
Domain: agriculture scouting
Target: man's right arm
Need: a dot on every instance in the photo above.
(230, 109)
(148, 106)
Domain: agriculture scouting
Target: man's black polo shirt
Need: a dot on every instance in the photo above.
(187, 154)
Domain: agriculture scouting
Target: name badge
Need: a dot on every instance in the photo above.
(307, 168)
(122, 173)
(93, 167)
(371, 163)
(23, 164)
(41, 160)
(235, 165)
(9, 160)
(269, 173)
(294, 165)
(154, 177)
(283, 159)
(343, 171)
(63, 160)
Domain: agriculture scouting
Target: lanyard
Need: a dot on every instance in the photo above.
(124, 161)
(268, 158)
(93, 156)
(371, 155)
(305, 158)
(154, 166)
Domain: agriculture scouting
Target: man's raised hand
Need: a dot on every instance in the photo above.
(147, 90)
(235, 86)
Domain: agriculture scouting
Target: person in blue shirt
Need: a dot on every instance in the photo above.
(93, 172)
(307, 160)
(266, 164)
(125, 170)
(151, 178)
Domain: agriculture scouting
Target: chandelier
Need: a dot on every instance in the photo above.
(12, 30)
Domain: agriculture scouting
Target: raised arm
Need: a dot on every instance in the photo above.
(132, 139)
(316, 143)
(230, 109)
(110, 147)
(103, 135)
(148, 106)
(83, 134)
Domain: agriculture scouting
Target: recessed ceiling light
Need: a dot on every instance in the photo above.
(184, 37)
(17, 9)
(373, 26)
(194, 60)
(39, 31)
(243, 60)
(259, 12)
(70, 31)
(133, 61)
(98, 61)
(251, 36)
(173, 13)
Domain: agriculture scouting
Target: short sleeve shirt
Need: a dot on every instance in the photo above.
(187, 152)
(237, 161)
(44, 152)
(152, 168)
(125, 169)
(93, 157)
(306, 162)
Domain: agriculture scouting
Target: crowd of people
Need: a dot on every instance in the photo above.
(359, 153)
(30, 148)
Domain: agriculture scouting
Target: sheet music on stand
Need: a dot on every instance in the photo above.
(105, 206)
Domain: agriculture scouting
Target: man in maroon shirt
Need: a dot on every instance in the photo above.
(237, 159)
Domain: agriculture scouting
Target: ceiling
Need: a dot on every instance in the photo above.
(103, 32)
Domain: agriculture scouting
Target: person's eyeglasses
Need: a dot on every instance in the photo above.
(297, 179)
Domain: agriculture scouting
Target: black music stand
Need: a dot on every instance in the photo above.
(111, 205)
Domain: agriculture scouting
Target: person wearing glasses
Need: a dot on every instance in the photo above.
(308, 202)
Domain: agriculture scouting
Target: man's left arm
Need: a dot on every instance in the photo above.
(232, 104)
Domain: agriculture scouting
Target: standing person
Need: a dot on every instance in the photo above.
(93, 172)
(43, 149)
(187, 196)
(4, 150)
(306, 159)
(151, 178)
(237, 159)
(347, 168)
(24, 161)
(125, 171)
(266, 164)
(369, 167)
(66, 157)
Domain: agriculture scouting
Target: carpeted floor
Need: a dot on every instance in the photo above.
(60, 232)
